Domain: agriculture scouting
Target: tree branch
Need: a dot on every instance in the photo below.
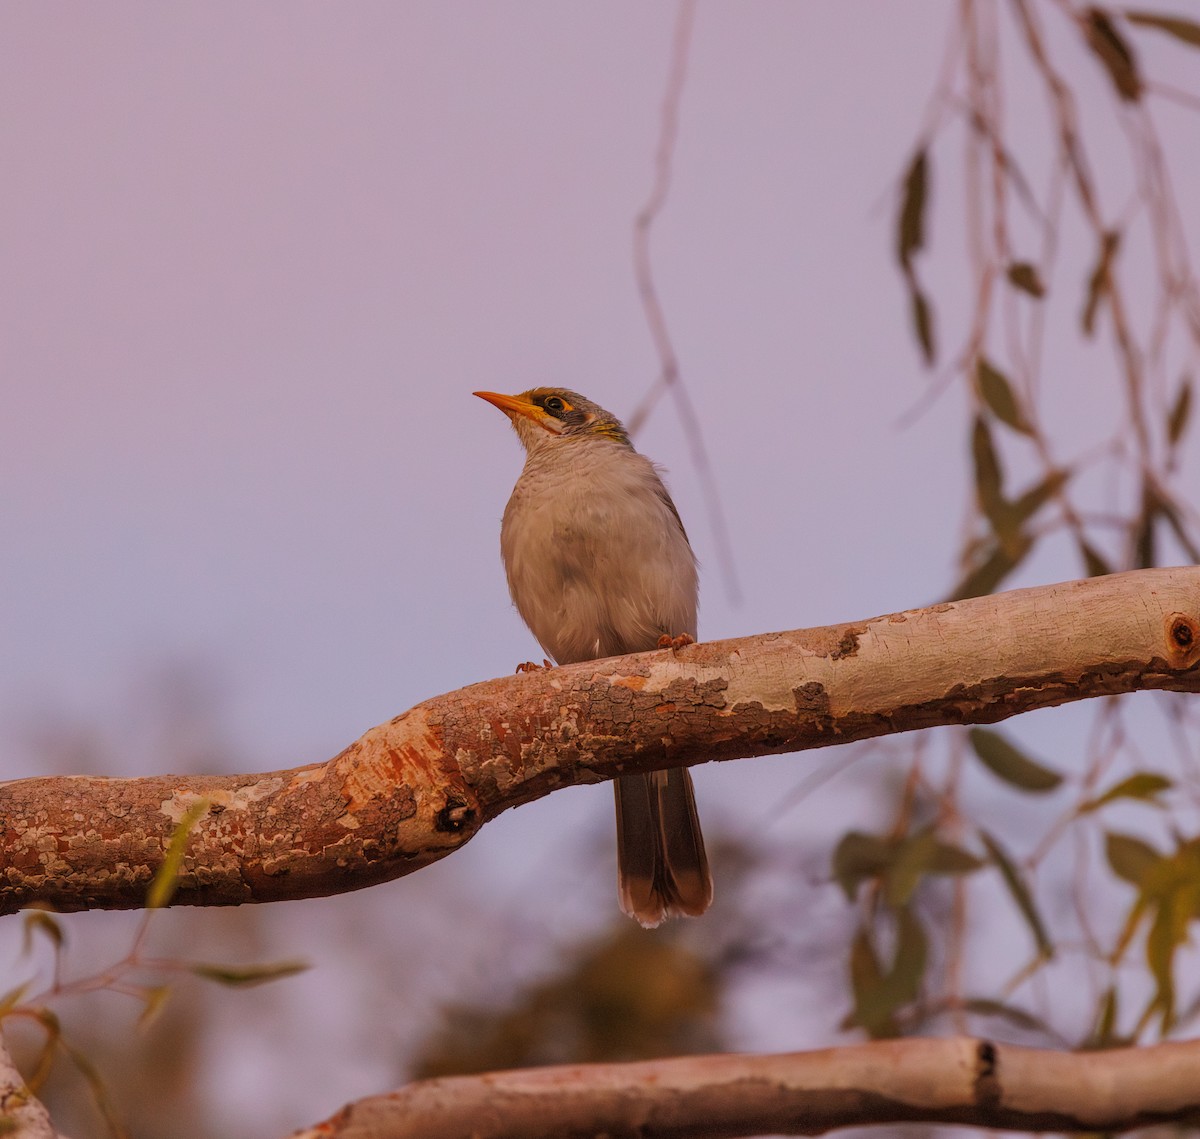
(21, 1113)
(961, 1080)
(416, 788)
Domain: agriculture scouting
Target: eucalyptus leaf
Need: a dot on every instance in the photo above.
(859, 857)
(1006, 761)
(39, 921)
(922, 316)
(910, 226)
(246, 976)
(166, 877)
(1177, 418)
(1130, 858)
(1098, 281)
(1025, 277)
(1093, 561)
(913, 858)
(1021, 894)
(989, 480)
(1143, 785)
(1029, 502)
(997, 392)
(984, 577)
(985, 1006)
(1187, 31)
(1117, 56)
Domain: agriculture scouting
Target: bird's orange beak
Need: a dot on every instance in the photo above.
(514, 405)
(510, 404)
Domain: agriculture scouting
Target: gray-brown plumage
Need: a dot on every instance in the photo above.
(598, 565)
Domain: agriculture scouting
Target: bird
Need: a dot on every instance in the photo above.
(598, 565)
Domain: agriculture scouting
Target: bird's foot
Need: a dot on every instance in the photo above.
(666, 641)
(529, 666)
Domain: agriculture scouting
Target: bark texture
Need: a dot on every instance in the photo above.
(416, 788)
(21, 1114)
(962, 1080)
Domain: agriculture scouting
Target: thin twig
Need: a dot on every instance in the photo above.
(669, 378)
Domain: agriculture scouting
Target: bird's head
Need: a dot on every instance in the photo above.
(546, 415)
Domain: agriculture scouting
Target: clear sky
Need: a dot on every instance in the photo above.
(257, 256)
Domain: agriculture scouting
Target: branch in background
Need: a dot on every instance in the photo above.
(418, 787)
(975, 1083)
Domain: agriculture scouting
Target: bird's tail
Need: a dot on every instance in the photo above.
(661, 866)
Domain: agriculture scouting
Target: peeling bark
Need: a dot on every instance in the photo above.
(21, 1113)
(965, 1081)
(416, 788)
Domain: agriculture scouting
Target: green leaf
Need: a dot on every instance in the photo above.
(1112, 51)
(910, 228)
(1093, 562)
(866, 983)
(45, 1058)
(39, 921)
(1032, 500)
(12, 998)
(1186, 31)
(1130, 858)
(1098, 282)
(1181, 409)
(1020, 894)
(96, 1085)
(166, 878)
(245, 976)
(1170, 511)
(922, 317)
(987, 575)
(984, 1006)
(1167, 932)
(912, 953)
(989, 481)
(913, 856)
(1104, 1034)
(1025, 277)
(989, 476)
(154, 997)
(1009, 763)
(950, 859)
(996, 391)
(859, 857)
(1144, 786)
(879, 994)
(899, 864)
(1145, 548)
(1156, 506)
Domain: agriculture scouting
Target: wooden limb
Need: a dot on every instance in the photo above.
(965, 1081)
(21, 1113)
(416, 788)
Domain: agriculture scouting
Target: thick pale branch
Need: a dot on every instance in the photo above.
(412, 790)
(965, 1081)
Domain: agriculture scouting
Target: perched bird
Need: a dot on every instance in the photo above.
(598, 565)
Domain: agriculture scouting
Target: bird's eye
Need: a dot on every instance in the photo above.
(554, 405)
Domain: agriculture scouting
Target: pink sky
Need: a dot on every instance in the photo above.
(257, 257)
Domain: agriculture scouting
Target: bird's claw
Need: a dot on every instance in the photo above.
(666, 641)
(529, 666)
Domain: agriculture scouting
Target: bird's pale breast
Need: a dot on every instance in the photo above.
(597, 560)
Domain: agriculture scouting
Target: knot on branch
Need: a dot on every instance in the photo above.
(1183, 640)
